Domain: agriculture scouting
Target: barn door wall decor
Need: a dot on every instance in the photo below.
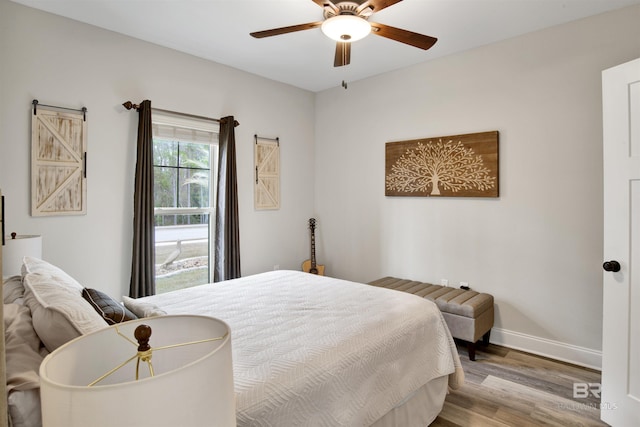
(58, 161)
(447, 166)
(267, 180)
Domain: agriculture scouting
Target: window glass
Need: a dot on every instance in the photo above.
(185, 151)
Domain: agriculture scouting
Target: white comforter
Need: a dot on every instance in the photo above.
(315, 351)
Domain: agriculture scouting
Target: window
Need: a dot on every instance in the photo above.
(185, 160)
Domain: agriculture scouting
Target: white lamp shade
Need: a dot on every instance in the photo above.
(192, 386)
(16, 249)
(346, 28)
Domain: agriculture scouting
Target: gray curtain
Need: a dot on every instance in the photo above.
(227, 238)
(143, 282)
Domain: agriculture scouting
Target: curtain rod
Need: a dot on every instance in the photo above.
(193, 116)
(129, 105)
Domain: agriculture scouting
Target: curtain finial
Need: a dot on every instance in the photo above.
(227, 118)
(129, 105)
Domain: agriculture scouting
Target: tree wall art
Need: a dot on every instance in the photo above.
(448, 166)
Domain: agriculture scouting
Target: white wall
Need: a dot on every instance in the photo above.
(66, 63)
(538, 247)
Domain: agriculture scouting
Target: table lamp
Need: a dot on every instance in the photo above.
(182, 364)
(15, 248)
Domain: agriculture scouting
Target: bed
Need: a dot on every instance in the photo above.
(307, 350)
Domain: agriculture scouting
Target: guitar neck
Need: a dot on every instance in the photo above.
(313, 250)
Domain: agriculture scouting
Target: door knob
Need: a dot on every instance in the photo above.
(613, 266)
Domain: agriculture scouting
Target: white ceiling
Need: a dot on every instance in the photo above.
(218, 30)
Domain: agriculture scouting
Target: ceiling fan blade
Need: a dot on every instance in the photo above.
(343, 54)
(376, 5)
(327, 4)
(285, 30)
(403, 36)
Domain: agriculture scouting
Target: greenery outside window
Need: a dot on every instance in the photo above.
(185, 159)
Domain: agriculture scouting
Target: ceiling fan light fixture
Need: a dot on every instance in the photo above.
(346, 28)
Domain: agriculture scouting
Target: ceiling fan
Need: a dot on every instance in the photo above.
(348, 21)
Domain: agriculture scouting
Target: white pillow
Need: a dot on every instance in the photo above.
(59, 312)
(142, 309)
(35, 265)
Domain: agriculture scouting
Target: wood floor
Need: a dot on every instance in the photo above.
(505, 387)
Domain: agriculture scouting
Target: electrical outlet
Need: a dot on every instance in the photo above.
(464, 285)
(444, 282)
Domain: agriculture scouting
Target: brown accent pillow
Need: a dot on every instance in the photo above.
(111, 310)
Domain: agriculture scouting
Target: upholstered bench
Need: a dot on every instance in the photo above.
(469, 314)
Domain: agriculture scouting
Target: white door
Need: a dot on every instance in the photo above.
(620, 404)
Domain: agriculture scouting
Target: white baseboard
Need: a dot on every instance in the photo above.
(548, 348)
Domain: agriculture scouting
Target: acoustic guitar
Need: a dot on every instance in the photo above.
(310, 266)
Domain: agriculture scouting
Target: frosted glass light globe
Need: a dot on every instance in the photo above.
(346, 28)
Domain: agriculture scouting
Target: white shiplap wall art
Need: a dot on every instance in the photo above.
(267, 180)
(58, 160)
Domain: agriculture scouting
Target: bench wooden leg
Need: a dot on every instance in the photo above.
(471, 346)
(471, 349)
(485, 338)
